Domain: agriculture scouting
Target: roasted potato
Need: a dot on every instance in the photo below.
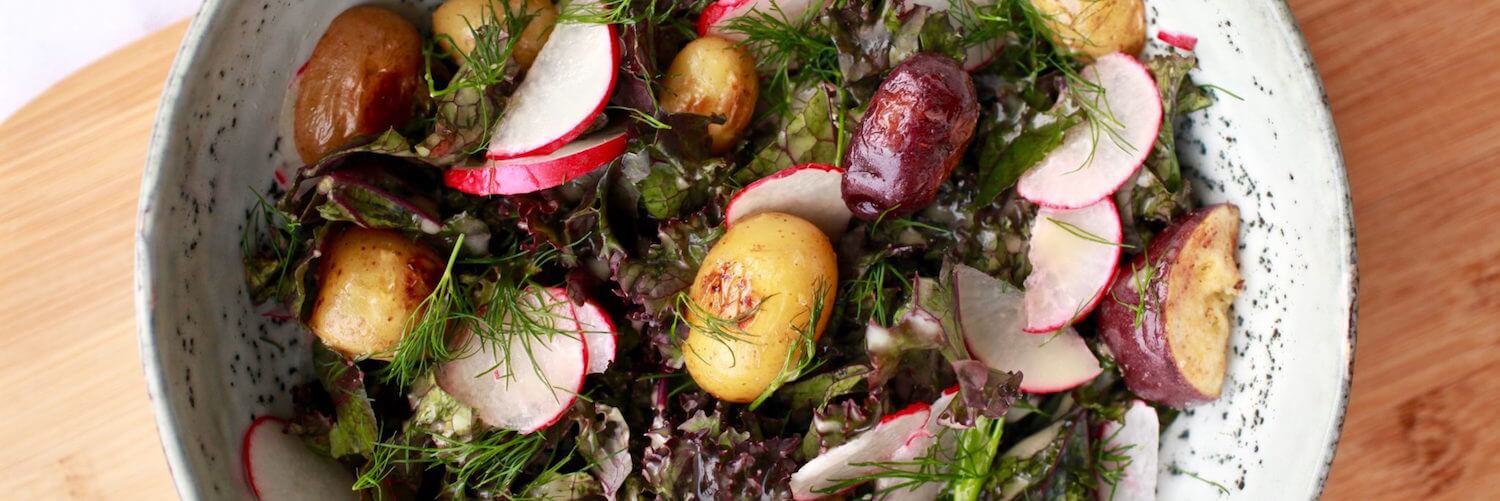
(919, 123)
(369, 283)
(1167, 316)
(756, 288)
(362, 79)
(712, 76)
(1093, 28)
(454, 22)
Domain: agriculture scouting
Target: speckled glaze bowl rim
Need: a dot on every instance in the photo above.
(170, 114)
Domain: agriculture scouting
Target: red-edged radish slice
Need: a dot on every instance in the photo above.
(810, 191)
(918, 447)
(716, 16)
(529, 174)
(278, 466)
(528, 384)
(567, 86)
(851, 460)
(1179, 40)
(1093, 161)
(598, 332)
(990, 317)
(1074, 254)
(1138, 438)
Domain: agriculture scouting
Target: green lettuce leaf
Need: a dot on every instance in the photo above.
(354, 430)
(807, 134)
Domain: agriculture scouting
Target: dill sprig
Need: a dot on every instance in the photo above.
(800, 356)
(425, 343)
(868, 291)
(793, 51)
(622, 12)
(283, 237)
(1110, 462)
(517, 318)
(1079, 232)
(1177, 470)
(492, 461)
(1141, 280)
(722, 330)
(485, 65)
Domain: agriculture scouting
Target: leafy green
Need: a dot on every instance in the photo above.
(576, 486)
(354, 430)
(808, 133)
(1002, 162)
(705, 458)
(1179, 96)
(604, 441)
(371, 198)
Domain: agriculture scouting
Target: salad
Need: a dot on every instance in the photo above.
(740, 249)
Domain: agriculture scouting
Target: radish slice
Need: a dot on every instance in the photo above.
(598, 332)
(567, 86)
(536, 173)
(1074, 255)
(279, 466)
(1138, 439)
(918, 447)
(991, 319)
(853, 458)
(1091, 163)
(810, 191)
(1179, 40)
(530, 385)
(716, 17)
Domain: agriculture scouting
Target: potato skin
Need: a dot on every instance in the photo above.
(362, 79)
(1093, 28)
(455, 17)
(369, 283)
(774, 261)
(918, 125)
(713, 76)
(1149, 355)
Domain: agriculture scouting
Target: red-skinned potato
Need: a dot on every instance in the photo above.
(1173, 349)
(919, 123)
(362, 79)
(369, 283)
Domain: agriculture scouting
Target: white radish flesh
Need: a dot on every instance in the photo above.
(919, 447)
(567, 86)
(852, 459)
(1099, 154)
(991, 320)
(279, 466)
(599, 332)
(528, 382)
(1074, 254)
(810, 191)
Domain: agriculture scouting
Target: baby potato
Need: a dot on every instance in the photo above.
(713, 76)
(1093, 28)
(362, 79)
(456, 20)
(370, 283)
(766, 273)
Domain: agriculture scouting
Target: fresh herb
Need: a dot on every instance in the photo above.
(794, 51)
(1110, 462)
(425, 343)
(1076, 231)
(870, 294)
(1177, 470)
(977, 448)
(270, 261)
(1140, 280)
(492, 461)
(703, 322)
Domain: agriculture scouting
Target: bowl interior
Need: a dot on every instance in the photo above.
(214, 362)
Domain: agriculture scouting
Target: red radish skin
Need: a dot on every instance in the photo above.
(512, 137)
(289, 469)
(536, 173)
(990, 318)
(1070, 272)
(1144, 349)
(879, 444)
(1138, 439)
(810, 191)
(1082, 171)
(518, 398)
(1179, 40)
(918, 446)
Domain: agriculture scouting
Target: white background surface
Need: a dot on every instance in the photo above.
(42, 41)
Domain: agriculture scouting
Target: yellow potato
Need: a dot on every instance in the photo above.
(457, 19)
(1093, 28)
(370, 283)
(766, 272)
(713, 76)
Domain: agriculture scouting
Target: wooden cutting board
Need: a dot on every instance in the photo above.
(1413, 85)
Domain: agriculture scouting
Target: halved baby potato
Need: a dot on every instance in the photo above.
(1167, 318)
(754, 294)
(1093, 28)
(455, 22)
(369, 283)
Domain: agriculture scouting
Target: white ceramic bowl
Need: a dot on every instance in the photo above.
(212, 363)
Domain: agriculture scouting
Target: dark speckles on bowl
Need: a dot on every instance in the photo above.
(214, 361)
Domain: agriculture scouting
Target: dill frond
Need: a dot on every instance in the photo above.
(1076, 231)
(722, 330)
(492, 461)
(793, 51)
(425, 343)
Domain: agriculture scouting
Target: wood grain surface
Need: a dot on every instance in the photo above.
(1413, 85)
